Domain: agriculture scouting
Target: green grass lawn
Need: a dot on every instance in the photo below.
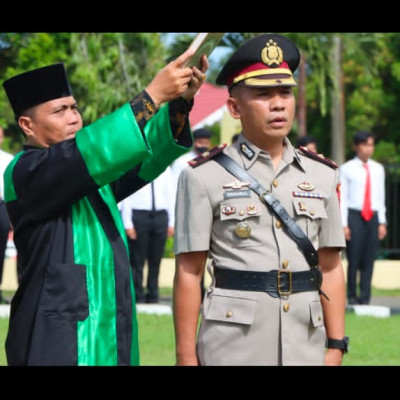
(373, 341)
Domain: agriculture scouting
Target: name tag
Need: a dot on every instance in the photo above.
(236, 194)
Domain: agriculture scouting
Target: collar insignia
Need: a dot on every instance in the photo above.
(247, 151)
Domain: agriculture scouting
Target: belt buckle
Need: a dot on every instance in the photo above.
(284, 292)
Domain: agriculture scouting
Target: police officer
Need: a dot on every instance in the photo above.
(265, 304)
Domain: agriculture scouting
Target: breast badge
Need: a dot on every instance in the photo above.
(251, 209)
(243, 230)
(228, 210)
(236, 185)
(306, 186)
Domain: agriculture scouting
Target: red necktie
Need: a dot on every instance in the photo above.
(366, 211)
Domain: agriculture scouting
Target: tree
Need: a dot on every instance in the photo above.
(107, 69)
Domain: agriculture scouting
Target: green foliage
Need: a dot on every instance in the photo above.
(107, 69)
(386, 153)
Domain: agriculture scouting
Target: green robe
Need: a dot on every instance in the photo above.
(75, 303)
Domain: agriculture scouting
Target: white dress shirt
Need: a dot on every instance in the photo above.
(182, 162)
(5, 159)
(164, 194)
(353, 177)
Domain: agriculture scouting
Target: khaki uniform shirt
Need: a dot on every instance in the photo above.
(253, 328)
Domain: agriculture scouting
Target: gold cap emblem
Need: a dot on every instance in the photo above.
(272, 54)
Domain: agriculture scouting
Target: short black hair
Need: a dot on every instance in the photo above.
(362, 137)
(305, 140)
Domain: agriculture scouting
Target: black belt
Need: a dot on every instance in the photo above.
(276, 283)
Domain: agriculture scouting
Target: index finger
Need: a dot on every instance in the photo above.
(184, 57)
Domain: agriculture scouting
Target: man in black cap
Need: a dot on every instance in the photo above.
(267, 217)
(201, 143)
(308, 142)
(75, 304)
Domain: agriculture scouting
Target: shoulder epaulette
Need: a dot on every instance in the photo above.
(208, 155)
(318, 157)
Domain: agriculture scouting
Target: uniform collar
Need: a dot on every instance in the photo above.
(249, 153)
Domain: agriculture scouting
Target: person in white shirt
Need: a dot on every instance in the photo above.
(149, 217)
(5, 158)
(363, 216)
(201, 143)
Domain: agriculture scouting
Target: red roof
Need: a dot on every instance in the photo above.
(208, 100)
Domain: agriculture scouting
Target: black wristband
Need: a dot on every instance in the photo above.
(341, 344)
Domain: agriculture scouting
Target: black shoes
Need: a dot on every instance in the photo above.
(351, 301)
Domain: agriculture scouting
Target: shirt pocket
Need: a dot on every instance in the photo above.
(316, 313)
(240, 222)
(65, 292)
(309, 213)
(233, 310)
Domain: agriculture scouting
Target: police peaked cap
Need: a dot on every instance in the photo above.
(263, 61)
(36, 87)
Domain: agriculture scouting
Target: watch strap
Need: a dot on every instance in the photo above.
(341, 344)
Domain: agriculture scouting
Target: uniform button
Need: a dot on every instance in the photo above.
(319, 317)
(229, 314)
(285, 263)
(286, 307)
(275, 183)
(312, 212)
(278, 224)
(242, 212)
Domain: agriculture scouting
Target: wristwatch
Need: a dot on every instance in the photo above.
(342, 344)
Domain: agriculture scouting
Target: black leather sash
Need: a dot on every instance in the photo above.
(276, 283)
(295, 232)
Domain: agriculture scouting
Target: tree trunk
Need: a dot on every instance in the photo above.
(337, 110)
(301, 111)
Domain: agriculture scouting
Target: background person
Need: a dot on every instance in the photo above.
(363, 215)
(308, 142)
(149, 218)
(5, 159)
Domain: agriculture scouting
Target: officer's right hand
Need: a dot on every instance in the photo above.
(172, 81)
(187, 361)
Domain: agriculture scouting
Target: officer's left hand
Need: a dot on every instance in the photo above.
(197, 80)
(333, 357)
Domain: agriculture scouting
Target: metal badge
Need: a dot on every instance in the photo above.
(302, 206)
(308, 187)
(236, 185)
(272, 54)
(251, 209)
(228, 210)
(247, 151)
(242, 230)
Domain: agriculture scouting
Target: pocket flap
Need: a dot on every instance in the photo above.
(231, 309)
(317, 315)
